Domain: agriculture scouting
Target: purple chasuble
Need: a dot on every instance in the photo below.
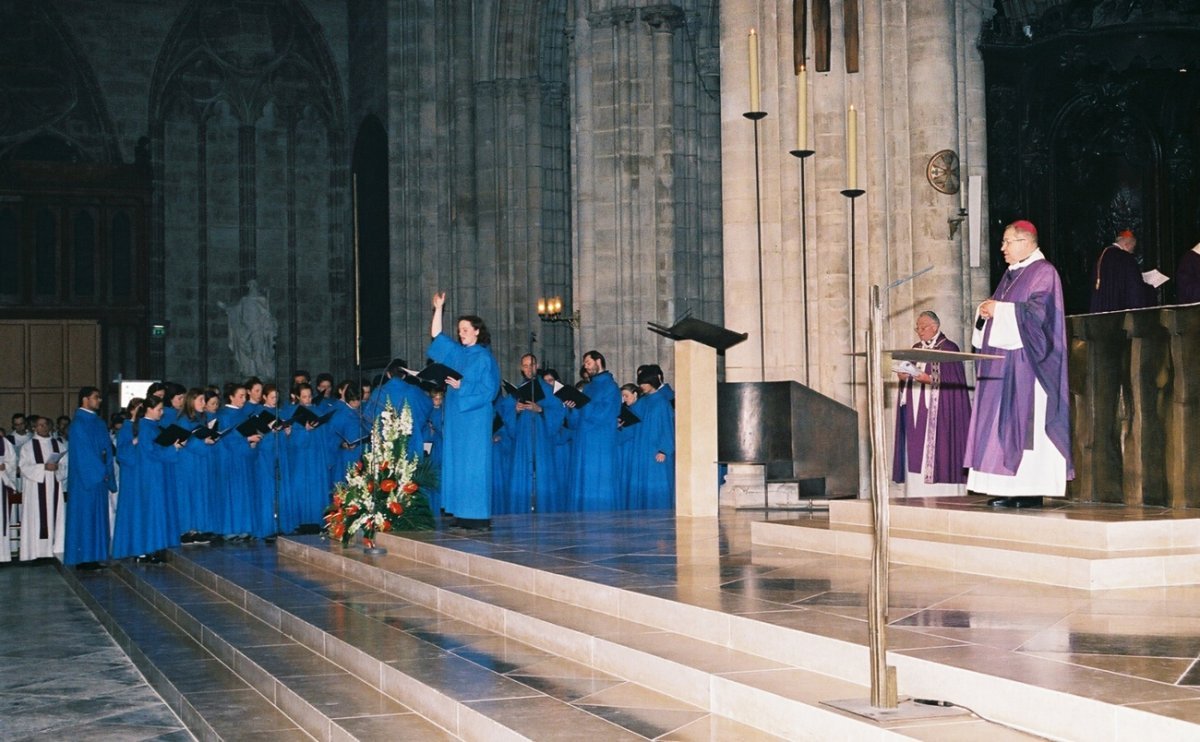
(1117, 282)
(945, 411)
(1004, 390)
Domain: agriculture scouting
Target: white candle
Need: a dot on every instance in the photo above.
(754, 101)
(802, 110)
(852, 149)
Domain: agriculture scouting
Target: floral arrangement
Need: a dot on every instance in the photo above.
(385, 489)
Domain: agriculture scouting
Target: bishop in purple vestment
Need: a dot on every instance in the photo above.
(1117, 278)
(1019, 444)
(932, 417)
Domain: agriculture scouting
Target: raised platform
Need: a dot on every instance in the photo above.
(632, 626)
(1080, 545)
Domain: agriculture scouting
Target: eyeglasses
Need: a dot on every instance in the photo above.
(1019, 239)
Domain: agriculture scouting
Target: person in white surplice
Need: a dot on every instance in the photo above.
(8, 481)
(43, 475)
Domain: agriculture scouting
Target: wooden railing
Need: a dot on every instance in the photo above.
(1135, 406)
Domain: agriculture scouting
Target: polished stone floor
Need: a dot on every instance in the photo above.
(61, 675)
(1138, 646)
(64, 678)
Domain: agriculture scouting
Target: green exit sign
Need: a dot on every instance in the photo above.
(158, 331)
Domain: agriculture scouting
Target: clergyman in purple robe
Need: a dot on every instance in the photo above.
(1117, 281)
(933, 415)
(1019, 444)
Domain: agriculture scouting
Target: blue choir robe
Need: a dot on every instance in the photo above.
(398, 392)
(346, 426)
(502, 454)
(270, 463)
(466, 466)
(563, 443)
(237, 468)
(624, 464)
(651, 483)
(193, 480)
(437, 423)
(534, 452)
(593, 461)
(90, 477)
(308, 475)
(147, 520)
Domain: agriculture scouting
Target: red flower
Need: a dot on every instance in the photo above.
(358, 467)
(396, 508)
(387, 526)
(370, 486)
(410, 488)
(387, 485)
(352, 510)
(383, 466)
(339, 531)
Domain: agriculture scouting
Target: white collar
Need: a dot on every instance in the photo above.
(84, 409)
(1035, 256)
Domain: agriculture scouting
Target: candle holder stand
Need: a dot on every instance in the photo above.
(852, 195)
(802, 155)
(756, 116)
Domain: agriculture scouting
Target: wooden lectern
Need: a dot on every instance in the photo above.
(696, 348)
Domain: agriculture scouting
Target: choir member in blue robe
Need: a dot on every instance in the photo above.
(1019, 442)
(399, 392)
(173, 399)
(308, 452)
(593, 475)
(933, 413)
(1117, 278)
(502, 451)
(436, 444)
(625, 435)
(147, 519)
(270, 468)
(663, 387)
(193, 472)
(323, 393)
(466, 468)
(534, 472)
(90, 477)
(254, 396)
(236, 452)
(346, 429)
(561, 437)
(652, 466)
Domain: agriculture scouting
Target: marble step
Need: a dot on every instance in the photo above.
(478, 683)
(1046, 562)
(677, 649)
(1028, 693)
(211, 699)
(1094, 527)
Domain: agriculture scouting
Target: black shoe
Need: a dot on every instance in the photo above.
(144, 559)
(1000, 502)
(1027, 502)
(90, 566)
(474, 524)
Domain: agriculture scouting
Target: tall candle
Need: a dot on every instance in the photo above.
(754, 102)
(852, 149)
(802, 109)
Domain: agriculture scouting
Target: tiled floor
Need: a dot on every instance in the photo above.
(1136, 646)
(61, 675)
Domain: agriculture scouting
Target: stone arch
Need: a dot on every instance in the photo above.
(247, 128)
(49, 93)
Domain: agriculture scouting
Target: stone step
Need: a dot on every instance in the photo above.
(461, 674)
(681, 650)
(1046, 562)
(1095, 527)
(1026, 692)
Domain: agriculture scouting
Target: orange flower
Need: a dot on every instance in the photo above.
(352, 510)
(387, 485)
(383, 466)
(387, 526)
(339, 531)
(396, 508)
(410, 488)
(370, 486)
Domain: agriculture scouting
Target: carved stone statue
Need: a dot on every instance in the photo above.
(252, 332)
